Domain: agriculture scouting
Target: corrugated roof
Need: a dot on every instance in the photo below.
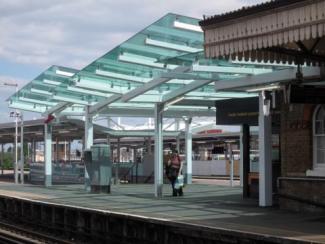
(246, 11)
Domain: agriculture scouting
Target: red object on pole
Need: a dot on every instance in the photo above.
(49, 118)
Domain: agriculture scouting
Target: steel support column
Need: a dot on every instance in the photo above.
(178, 139)
(34, 151)
(149, 145)
(109, 126)
(48, 154)
(110, 152)
(21, 162)
(89, 140)
(231, 161)
(65, 150)
(241, 155)
(28, 149)
(2, 158)
(13, 153)
(136, 167)
(265, 152)
(69, 147)
(57, 150)
(188, 150)
(244, 157)
(117, 166)
(16, 148)
(134, 170)
(158, 150)
(29, 155)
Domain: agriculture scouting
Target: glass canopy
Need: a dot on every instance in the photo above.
(163, 63)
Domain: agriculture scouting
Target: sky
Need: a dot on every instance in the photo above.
(35, 34)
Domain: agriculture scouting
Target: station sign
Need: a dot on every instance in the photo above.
(237, 111)
(212, 131)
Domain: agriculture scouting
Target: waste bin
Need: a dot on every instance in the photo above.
(99, 168)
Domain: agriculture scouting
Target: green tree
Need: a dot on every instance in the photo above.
(7, 160)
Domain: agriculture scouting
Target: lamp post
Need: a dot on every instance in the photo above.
(16, 114)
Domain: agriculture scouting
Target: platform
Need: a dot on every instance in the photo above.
(211, 207)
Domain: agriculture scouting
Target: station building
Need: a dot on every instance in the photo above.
(281, 32)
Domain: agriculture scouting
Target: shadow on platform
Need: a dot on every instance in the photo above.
(209, 206)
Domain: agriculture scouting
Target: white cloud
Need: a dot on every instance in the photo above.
(73, 33)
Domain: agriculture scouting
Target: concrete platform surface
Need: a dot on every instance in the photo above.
(213, 206)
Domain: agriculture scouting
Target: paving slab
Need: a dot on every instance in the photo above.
(213, 206)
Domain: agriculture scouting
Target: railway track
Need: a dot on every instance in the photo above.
(13, 234)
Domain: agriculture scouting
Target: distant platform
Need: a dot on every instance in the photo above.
(211, 208)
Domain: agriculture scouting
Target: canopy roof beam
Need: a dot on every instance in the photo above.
(139, 133)
(57, 108)
(150, 85)
(229, 70)
(144, 61)
(127, 112)
(148, 112)
(177, 33)
(184, 76)
(172, 46)
(102, 104)
(149, 50)
(263, 79)
(183, 90)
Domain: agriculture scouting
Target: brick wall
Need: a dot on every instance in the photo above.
(296, 191)
(303, 194)
(296, 139)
